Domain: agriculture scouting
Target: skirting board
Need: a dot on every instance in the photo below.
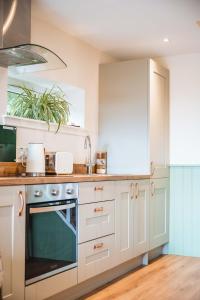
(106, 277)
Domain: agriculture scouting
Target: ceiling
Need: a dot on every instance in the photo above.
(127, 28)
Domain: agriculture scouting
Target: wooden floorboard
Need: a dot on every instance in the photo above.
(168, 278)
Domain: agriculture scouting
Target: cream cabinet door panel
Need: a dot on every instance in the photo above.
(96, 220)
(95, 257)
(124, 221)
(96, 191)
(159, 212)
(159, 120)
(12, 241)
(141, 217)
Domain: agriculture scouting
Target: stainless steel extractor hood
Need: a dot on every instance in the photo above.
(16, 51)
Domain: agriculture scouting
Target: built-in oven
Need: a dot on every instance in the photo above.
(51, 230)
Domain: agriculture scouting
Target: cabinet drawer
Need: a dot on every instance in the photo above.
(51, 286)
(95, 257)
(96, 191)
(96, 220)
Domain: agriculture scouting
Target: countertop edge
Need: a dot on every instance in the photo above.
(12, 181)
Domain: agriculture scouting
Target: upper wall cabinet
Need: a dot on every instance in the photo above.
(134, 117)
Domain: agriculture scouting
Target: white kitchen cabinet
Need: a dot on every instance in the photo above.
(124, 221)
(159, 119)
(96, 220)
(141, 217)
(12, 241)
(133, 122)
(132, 219)
(95, 257)
(96, 223)
(96, 191)
(159, 212)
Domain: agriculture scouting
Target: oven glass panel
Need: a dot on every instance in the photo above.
(50, 237)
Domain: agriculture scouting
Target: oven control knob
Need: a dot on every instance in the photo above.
(38, 193)
(55, 192)
(69, 191)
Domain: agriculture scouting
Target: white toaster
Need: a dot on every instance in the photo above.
(63, 163)
(58, 163)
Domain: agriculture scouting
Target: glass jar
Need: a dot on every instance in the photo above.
(101, 162)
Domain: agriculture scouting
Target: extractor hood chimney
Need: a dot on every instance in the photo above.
(16, 51)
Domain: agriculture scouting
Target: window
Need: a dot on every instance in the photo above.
(74, 95)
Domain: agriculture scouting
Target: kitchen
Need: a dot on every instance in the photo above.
(118, 216)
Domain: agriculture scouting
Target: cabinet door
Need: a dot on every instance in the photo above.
(159, 112)
(12, 241)
(159, 212)
(124, 221)
(124, 86)
(141, 217)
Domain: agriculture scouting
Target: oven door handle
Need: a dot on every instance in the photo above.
(36, 210)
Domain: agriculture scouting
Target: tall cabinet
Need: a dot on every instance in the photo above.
(133, 125)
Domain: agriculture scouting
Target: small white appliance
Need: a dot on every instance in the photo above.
(35, 165)
(63, 163)
(58, 163)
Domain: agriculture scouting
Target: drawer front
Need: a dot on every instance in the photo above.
(96, 191)
(51, 286)
(95, 257)
(96, 220)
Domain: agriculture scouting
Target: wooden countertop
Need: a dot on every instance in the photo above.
(9, 181)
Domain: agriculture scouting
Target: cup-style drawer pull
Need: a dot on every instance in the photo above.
(98, 209)
(98, 188)
(98, 246)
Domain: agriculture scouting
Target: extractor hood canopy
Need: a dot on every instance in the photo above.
(16, 51)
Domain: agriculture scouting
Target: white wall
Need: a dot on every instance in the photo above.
(83, 61)
(184, 108)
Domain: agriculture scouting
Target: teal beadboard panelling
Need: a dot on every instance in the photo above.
(185, 210)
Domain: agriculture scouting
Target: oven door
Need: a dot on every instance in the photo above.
(51, 239)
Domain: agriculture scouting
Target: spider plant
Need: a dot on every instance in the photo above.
(49, 106)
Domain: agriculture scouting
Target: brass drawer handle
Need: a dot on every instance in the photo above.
(98, 209)
(137, 191)
(21, 197)
(152, 168)
(132, 191)
(152, 189)
(98, 246)
(98, 188)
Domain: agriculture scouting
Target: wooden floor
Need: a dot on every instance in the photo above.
(168, 278)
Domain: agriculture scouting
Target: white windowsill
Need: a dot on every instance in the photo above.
(41, 125)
